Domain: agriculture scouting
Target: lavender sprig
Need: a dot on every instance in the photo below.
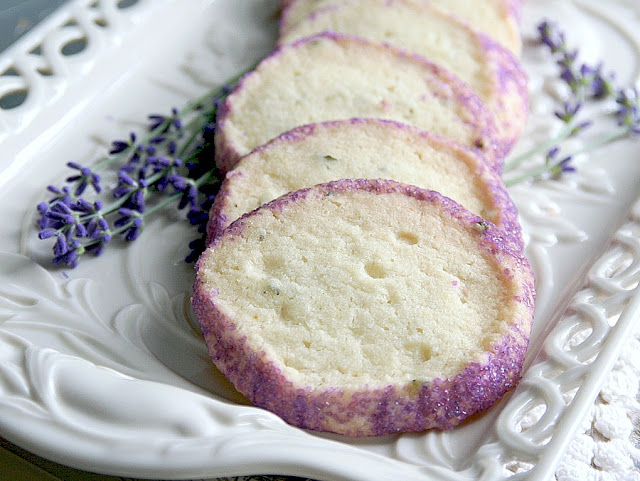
(586, 83)
(151, 172)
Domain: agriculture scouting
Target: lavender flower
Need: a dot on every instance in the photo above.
(558, 167)
(85, 178)
(119, 146)
(586, 83)
(628, 111)
(149, 175)
(552, 37)
(569, 111)
(130, 223)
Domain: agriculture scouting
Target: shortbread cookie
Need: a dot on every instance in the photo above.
(363, 149)
(336, 77)
(496, 18)
(492, 72)
(366, 308)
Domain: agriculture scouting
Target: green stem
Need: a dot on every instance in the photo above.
(543, 147)
(602, 141)
(531, 174)
(599, 142)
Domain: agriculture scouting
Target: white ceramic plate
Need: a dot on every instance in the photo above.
(101, 367)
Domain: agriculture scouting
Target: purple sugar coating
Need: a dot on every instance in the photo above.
(371, 411)
(441, 82)
(218, 220)
(512, 82)
(515, 9)
(510, 225)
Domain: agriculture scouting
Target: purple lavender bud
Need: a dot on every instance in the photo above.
(121, 191)
(43, 222)
(172, 147)
(156, 121)
(94, 180)
(60, 247)
(551, 36)
(563, 167)
(69, 258)
(81, 230)
(123, 178)
(189, 196)
(197, 217)
(83, 206)
(118, 146)
(137, 201)
(178, 182)
(136, 229)
(61, 207)
(92, 229)
(99, 249)
(580, 127)
(566, 167)
(60, 220)
(135, 158)
(162, 184)
(47, 233)
(81, 187)
(197, 247)
(126, 212)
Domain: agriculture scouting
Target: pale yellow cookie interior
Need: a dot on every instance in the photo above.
(359, 150)
(358, 288)
(415, 26)
(491, 17)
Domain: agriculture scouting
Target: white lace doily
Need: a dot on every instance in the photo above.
(607, 448)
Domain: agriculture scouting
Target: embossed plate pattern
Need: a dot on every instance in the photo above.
(102, 368)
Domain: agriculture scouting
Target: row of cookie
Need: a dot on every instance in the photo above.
(367, 307)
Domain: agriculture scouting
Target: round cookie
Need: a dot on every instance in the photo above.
(336, 77)
(363, 148)
(365, 307)
(493, 73)
(497, 18)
